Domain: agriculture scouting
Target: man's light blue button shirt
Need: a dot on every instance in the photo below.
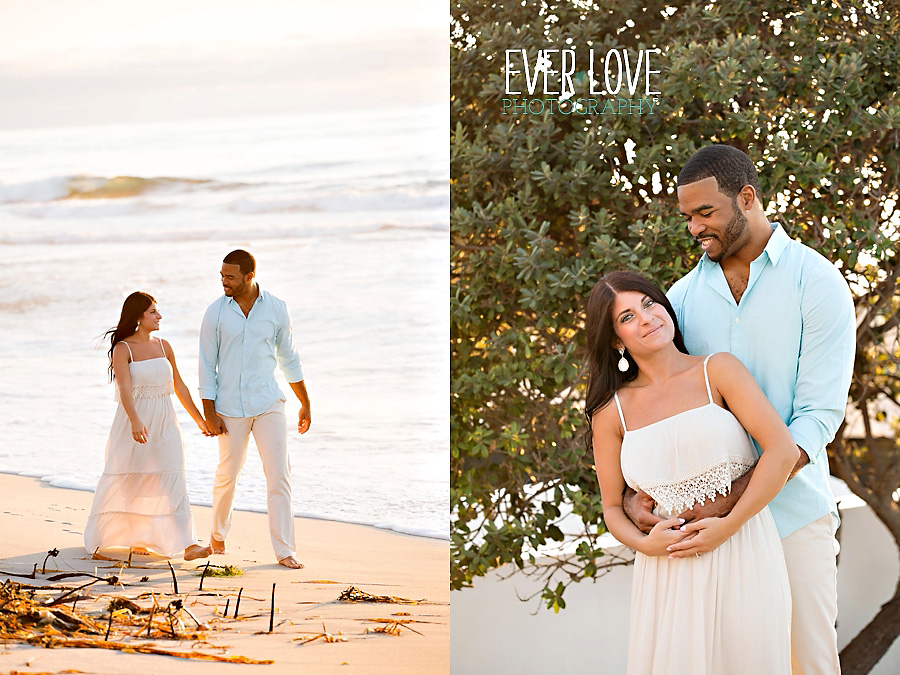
(795, 331)
(238, 355)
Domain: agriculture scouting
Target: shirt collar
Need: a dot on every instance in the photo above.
(776, 245)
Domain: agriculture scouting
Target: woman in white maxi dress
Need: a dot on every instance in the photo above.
(141, 500)
(671, 425)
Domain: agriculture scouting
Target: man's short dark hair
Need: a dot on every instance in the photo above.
(731, 168)
(243, 258)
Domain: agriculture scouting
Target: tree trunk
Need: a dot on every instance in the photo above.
(873, 641)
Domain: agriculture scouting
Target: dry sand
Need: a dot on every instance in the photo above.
(35, 518)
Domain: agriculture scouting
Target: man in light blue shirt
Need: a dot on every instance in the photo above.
(787, 314)
(244, 335)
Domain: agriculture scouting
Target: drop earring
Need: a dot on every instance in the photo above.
(623, 362)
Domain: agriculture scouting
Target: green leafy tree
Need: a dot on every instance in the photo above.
(544, 204)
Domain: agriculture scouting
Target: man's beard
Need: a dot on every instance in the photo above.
(733, 230)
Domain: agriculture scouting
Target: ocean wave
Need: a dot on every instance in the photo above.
(99, 187)
(70, 482)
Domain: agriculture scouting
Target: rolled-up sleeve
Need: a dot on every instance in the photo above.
(209, 353)
(827, 350)
(285, 353)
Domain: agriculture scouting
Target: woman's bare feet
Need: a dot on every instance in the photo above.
(195, 551)
(139, 550)
(291, 562)
(217, 545)
(96, 555)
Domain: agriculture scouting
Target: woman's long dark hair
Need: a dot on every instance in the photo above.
(132, 310)
(604, 376)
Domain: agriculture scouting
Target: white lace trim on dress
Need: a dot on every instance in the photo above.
(153, 391)
(704, 483)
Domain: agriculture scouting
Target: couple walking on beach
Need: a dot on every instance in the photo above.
(141, 501)
(735, 570)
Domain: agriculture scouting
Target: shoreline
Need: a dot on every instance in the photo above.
(305, 516)
(37, 517)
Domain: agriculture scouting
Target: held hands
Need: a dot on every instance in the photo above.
(214, 425)
(139, 431)
(702, 536)
(201, 424)
(663, 536)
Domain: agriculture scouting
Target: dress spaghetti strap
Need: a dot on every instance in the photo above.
(163, 347)
(706, 377)
(130, 355)
(619, 408)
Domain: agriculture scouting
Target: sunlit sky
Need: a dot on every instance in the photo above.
(100, 61)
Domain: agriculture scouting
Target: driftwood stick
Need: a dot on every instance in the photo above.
(50, 554)
(150, 620)
(174, 580)
(65, 595)
(203, 576)
(109, 625)
(237, 603)
(227, 602)
(272, 610)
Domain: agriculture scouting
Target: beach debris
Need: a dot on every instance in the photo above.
(318, 581)
(109, 626)
(200, 625)
(272, 610)
(220, 570)
(227, 602)
(324, 635)
(353, 594)
(25, 617)
(20, 576)
(124, 603)
(203, 575)
(393, 626)
(72, 575)
(65, 595)
(237, 603)
(152, 612)
(52, 641)
(174, 580)
(52, 553)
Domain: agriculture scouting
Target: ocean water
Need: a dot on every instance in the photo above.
(348, 217)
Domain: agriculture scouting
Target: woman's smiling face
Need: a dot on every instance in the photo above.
(641, 324)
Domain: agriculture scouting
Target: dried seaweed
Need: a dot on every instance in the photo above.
(50, 641)
(393, 626)
(25, 618)
(353, 594)
(221, 571)
(324, 635)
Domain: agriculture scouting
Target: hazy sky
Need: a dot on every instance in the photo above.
(64, 63)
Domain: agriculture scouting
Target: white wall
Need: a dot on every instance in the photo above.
(493, 633)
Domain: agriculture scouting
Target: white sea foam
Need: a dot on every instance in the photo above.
(44, 190)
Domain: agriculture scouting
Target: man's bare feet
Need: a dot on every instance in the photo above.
(291, 562)
(195, 551)
(217, 545)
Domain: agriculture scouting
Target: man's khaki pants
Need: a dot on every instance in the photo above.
(810, 554)
(269, 430)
